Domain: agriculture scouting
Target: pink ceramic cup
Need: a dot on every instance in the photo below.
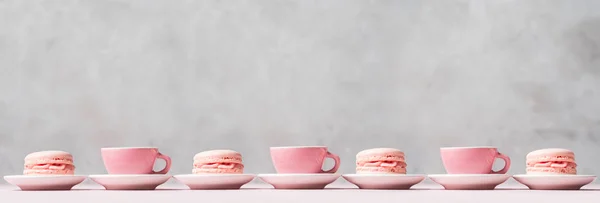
(133, 160)
(472, 160)
(302, 159)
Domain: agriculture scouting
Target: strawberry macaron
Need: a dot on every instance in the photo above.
(381, 160)
(49, 163)
(218, 161)
(551, 161)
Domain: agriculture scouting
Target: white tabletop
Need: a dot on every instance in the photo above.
(339, 191)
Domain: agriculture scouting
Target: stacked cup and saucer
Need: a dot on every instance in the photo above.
(131, 168)
(470, 168)
(300, 167)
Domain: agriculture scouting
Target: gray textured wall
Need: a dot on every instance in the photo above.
(193, 75)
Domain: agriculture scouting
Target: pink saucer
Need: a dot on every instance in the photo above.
(44, 182)
(299, 181)
(130, 181)
(384, 181)
(469, 181)
(554, 182)
(214, 181)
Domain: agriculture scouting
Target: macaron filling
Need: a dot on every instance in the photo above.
(218, 165)
(391, 164)
(552, 164)
(552, 158)
(41, 169)
(50, 166)
(561, 167)
(381, 167)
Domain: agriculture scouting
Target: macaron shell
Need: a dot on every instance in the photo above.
(548, 170)
(551, 152)
(237, 169)
(48, 172)
(49, 153)
(394, 170)
(218, 153)
(218, 156)
(380, 152)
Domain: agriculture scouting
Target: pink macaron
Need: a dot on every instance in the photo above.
(49, 163)
(218, 161)
(381, 160)
(551, 161)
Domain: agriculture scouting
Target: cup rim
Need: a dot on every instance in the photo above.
(298, 147)
(471, 147)
(113, 148)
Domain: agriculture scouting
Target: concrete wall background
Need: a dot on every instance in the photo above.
(188, 76)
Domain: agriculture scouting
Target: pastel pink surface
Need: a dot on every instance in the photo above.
(551, 161)
(133, 160)
(299, 181)
(472, 160)
(469, 181)
(214, 181)
(130, 181)
(218, 161)
(381, 160)
(384, 181)
(554, 182)
(49, 163)
(44, 182)
(302, 159)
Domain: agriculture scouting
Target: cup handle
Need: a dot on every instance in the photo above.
(167, 165)
(506, 163)
(336, 158)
